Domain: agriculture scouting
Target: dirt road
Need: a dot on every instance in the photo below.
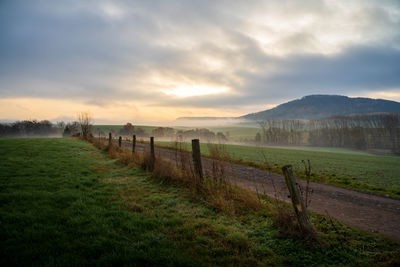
(372, 213)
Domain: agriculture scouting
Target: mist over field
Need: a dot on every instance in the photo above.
(199, 133)
(199, 122)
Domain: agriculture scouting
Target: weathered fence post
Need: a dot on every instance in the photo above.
(119, 141)
(152, 153)
(133, 144)
(109, 139)
(197, 158)
(298, 205)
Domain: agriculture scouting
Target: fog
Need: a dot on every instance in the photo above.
(210, 122)
(32, 129)
(33, 136)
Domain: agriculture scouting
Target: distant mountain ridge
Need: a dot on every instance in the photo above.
(316, 106)
(322, 106)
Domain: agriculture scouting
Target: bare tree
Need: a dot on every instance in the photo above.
(85, 122)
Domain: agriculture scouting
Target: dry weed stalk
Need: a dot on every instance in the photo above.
(220, 183)
(285, 218)
(331, 222)
(308, 192)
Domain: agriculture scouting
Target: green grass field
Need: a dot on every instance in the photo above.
(235, 134)
(109, 128)
(63, 202)
(342, 167)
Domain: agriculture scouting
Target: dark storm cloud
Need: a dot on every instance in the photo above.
(356, 69)
(96, 50)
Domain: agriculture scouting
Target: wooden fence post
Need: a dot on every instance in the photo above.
(119, 141)
(298, 205)
(133, 144)
(197, 158)
(109, 139)
(153, 155)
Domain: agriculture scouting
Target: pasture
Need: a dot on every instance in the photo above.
(233, 133)
(237, 134)
(115, 128)
(64, 202)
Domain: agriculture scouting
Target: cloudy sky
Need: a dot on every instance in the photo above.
(152, 61)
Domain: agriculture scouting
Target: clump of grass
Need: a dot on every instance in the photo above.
(99, 143)
(283, 216)
(166, 171)
(231, 199)
(285, 220)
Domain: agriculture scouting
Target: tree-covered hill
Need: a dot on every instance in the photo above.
(322, 106)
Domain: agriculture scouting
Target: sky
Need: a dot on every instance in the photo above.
(149, 62)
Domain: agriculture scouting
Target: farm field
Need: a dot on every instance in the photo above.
(63, 202)
(116, 128)
(342, 167)
(237, 134)
(234, 134)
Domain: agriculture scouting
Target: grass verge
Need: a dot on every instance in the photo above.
(63, 202)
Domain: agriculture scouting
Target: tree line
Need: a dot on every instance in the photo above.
(35, 128)
(31, 128)
(169, 133)
(361, 131)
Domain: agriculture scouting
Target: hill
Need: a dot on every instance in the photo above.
(322, 106)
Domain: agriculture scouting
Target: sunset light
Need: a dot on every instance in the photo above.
(231, 58)
(194, 90)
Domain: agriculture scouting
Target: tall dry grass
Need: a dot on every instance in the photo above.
(216, 189)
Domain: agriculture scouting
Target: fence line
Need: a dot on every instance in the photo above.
(297, 201)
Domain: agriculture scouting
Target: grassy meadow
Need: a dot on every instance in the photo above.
(237, 134)
(64, 202)
(233, 133)
(110, 128)
(336, 166)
